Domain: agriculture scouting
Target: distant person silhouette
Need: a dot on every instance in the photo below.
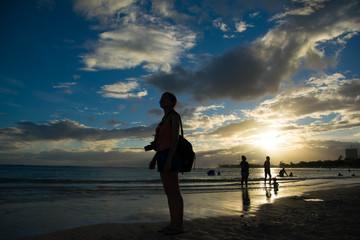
(282, 172)
(244, 171)
(168, 162)
(267, 169)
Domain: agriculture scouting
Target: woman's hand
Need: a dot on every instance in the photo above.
(152, 163)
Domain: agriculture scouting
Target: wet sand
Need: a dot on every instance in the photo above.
(325, 214)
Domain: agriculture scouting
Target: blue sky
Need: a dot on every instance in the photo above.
(80, 80)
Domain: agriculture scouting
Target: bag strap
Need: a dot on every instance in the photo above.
(181, 127)
(182, 131)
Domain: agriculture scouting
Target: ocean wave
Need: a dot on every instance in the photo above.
(186, 181)
(24, 184)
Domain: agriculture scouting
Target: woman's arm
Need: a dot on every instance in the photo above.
(175, 122)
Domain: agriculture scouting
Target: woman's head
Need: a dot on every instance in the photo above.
(168, 100)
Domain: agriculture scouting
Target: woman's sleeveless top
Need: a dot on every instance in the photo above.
(164, 134)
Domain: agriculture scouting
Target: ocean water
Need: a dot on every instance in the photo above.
(41, 199)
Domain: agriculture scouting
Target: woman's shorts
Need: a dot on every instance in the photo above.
(244, 174)
(161, 159)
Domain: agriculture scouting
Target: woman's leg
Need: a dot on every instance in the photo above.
(270, 177)
(175, 201)
(265, 176)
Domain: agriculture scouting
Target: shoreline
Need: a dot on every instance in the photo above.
(323, 214)
(59, 212)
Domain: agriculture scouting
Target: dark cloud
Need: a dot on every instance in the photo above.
(67, 129)
(183, 109)
(329, 127)
(188, 112)
(114, 122)
(221, 78)
(303, 106)
(79, 158)
(254, 71)
(178, 80)
(351, 91)
(156, 112)
(60, 115)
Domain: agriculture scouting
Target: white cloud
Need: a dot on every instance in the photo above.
(241, 26)
(133, 35)
(317, 98)
(123, 90)
(218, 23)
(135, 45)
(64, 85)
(309, 8)
(255, 14)
(209, 122)
(211, 107)
(229, 36)
(100, 8)
(166, 8)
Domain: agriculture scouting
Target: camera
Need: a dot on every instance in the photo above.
(149, 147)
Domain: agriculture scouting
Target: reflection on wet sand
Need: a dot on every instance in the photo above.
(268, 193)
(246, 200)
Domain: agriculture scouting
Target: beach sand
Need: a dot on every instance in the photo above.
(325, 214)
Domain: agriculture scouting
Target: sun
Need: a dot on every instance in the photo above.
(268, 140)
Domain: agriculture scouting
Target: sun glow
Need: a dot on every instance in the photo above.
(268, 140)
